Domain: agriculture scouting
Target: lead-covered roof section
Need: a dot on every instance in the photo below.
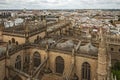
(88, 49)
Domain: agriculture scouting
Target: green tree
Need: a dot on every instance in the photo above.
(116, 70)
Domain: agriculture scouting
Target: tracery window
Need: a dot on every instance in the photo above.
(59, 64)
(36, 59)
(18, 62)
(86, 71)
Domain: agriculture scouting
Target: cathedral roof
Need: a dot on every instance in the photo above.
(67, 44)
(88, 49)
(49, 41)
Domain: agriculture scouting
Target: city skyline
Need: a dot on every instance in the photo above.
(60, 4)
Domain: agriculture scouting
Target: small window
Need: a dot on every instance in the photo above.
(18, 62)
(16, 42)
(112, 49)
(9, 41)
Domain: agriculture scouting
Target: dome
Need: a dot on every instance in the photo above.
(49, 41)
(66, 44)
(88, 49)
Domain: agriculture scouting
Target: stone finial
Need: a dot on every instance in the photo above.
(73, 52)
(101, 34)
(47, 46)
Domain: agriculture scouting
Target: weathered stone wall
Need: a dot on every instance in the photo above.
(93, 65)
(114, 50)
(14, 56)
(20, 40)
(32, 38)
(67, 62)
(2, 69)
(79, 60)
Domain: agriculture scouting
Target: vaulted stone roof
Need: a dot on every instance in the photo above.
(88, 49)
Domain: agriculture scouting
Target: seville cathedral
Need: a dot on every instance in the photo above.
(56, 50)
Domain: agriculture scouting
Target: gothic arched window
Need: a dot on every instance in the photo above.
(36, 59)
(18, 62)
(13, 40)
(86, 71)
(59, 64)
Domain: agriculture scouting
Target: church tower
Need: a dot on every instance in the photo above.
(102, 58)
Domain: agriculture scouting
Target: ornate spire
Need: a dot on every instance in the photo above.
(2, 25)
(26, 28)
(102, 38)
(102, 57)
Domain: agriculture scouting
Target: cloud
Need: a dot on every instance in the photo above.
(60, 4)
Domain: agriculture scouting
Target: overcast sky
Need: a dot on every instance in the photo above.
(60, 4)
